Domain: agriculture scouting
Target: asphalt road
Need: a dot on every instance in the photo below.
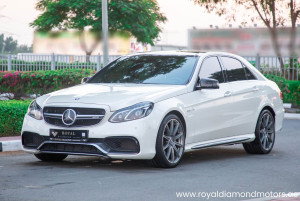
(226, 168)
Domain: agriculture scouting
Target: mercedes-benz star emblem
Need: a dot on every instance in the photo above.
(69, 117)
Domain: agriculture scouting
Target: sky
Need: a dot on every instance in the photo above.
(15, 16)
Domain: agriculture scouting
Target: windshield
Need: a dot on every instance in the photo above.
(146, 69)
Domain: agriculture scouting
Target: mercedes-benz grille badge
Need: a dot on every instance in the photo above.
(69, 117)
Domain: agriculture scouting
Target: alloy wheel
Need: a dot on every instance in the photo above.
(267, 131)
(173, 140)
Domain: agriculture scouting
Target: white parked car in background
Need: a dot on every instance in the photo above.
(157, 106)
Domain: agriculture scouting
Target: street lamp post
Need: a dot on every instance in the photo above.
(105, 32)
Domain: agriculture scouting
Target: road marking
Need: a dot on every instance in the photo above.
(70, 173)
(49, 185)
(34, 186)
(117, 161)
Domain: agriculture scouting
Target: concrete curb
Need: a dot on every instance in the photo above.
(287, 105)
(12, 145)
(292, 116)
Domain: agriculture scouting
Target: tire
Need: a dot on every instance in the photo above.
(170, 142)
(51, 157)
(264, 135)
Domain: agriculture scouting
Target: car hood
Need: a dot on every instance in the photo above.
(116, 96)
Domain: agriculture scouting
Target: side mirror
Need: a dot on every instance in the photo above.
(85, 79)
(207, 83)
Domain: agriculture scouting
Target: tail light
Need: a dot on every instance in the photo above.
(281, 95)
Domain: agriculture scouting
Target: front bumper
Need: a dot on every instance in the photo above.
(85, 149)
(142, 131)
(35, 143)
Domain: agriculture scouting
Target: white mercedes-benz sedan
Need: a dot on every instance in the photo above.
(157, 106)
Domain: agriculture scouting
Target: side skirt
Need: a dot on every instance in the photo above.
(222, 141)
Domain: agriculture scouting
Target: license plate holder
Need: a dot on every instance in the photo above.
(68, 135)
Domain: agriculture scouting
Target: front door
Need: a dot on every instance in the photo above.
(209, 109)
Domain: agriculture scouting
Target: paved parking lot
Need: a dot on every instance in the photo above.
(226, 168)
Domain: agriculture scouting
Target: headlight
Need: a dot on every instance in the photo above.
(134, 112)
(35, 111)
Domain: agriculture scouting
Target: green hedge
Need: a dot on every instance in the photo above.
(12, 113)
(289, 88)
(22, 84)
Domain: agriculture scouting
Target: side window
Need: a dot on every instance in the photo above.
(235, 70)
(211, 69)
(249, 74)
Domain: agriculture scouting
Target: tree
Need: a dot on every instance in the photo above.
(1, 43)
(10, 45)
(273, 13)
(139, 18)
(2, 35)
(24, 49)
(294, 14)
(269, 14)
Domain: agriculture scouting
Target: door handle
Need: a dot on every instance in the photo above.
(227, 93)
(255, 88)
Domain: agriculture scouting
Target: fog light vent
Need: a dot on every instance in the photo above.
(122, 144)
(31, 140)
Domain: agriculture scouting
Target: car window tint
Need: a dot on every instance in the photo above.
(249, 74)
(234, 69)
(148, 69)
(211, 69)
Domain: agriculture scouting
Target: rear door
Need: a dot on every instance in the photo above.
(245, 95)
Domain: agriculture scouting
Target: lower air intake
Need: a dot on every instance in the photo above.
(32, 140)
(122, 144)
(70, 148)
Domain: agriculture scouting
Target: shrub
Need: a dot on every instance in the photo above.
(289, 88)
(12, 113)
(22, 84)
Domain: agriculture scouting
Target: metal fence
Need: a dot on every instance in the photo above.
(271, 65)
(34, 62)
(268, 65)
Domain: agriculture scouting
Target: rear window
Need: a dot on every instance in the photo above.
(234, 69)
(249, 74)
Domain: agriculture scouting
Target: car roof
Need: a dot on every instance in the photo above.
(174, 53)
(183, 53)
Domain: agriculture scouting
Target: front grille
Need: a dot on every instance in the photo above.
(70, 148)
(85, 116)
